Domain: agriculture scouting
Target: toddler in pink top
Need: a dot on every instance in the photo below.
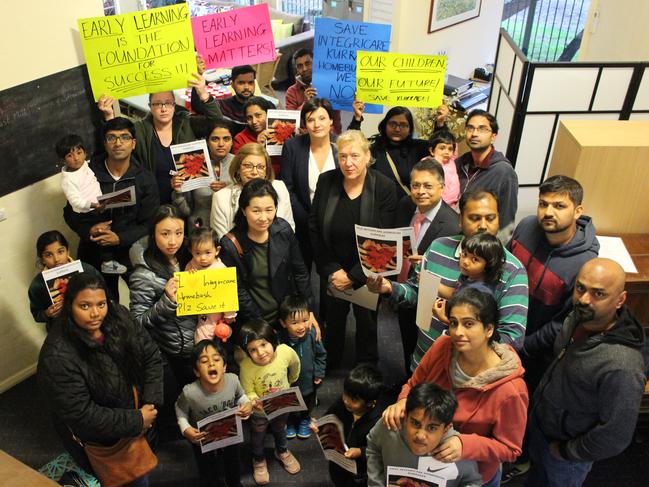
(441, 147)
(205, 251)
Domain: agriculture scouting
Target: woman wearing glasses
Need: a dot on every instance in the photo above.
(251, 162)
(165, 125)
(344, 197)
(394, 148)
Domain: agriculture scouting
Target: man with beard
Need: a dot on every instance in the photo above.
(552, 246)
(243, 84)
(302, 90)
(586, 406)
(483, 167)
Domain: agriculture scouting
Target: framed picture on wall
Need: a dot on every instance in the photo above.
(445, 13)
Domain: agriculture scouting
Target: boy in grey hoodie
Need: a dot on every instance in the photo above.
(429, 412)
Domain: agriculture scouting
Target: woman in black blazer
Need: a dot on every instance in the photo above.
(350, 195)
(304, 158)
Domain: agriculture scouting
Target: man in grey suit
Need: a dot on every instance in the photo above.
(431, 218)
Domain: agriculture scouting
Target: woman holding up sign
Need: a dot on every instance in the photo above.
(153, 291)
(394, 148)
(168, 124)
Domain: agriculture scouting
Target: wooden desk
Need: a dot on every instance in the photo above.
(14, 473)
(637, 285)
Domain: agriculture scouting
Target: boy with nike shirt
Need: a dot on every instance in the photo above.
(427, 423)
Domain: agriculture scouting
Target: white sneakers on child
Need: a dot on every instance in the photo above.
(113, 267)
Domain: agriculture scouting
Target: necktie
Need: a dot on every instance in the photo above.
(405, 268)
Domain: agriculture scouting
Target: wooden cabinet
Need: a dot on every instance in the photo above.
(611, 161)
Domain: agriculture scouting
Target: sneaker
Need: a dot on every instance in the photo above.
(113, 267)
(260, 472)
(290, 431)
(513, 470)
(303, 430)
(289, 462)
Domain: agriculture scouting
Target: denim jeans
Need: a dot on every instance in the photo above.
(548, 470)
(495, 480)
(258, 426)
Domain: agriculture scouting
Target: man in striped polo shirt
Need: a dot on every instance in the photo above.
(478, 213)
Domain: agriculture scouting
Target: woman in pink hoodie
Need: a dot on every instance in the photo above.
(487, 379)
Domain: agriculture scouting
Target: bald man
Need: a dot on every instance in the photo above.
(586, 406)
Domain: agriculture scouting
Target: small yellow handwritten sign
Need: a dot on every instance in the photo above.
(210, 291)
(389, 78)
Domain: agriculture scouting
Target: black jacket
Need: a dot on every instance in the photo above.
(96, 403)
(295, 174)
(588, 399)
(130, 223)
(356, 433)
(288, 274)
(445, 223)
(378, 206)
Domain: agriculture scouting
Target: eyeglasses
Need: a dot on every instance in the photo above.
(257, 167)
(111, 138)
(426, 186)
(397, 125)
(482, 129)
(158, 105)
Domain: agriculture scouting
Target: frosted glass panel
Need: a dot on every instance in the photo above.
(536, 136)
(493, 99)
(504, 64)
(642, 99)
(516, 79)
(639, 116)
(505, 116)
(561, 89)
(612, 88)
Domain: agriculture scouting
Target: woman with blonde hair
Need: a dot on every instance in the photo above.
(348, 195)
(251, 162)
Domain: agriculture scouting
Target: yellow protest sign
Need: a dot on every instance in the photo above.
(389, 78)
(210, 291)
(141, 52)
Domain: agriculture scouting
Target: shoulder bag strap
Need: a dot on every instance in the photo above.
(396, 173)
(236, 243)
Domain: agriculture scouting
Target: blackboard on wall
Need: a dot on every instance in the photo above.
(33, 116)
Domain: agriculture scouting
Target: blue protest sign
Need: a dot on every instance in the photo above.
(334, 58)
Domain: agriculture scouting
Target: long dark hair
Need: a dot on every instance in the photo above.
(155, 259)
(381, 140)
(484, 305)
(46, 239)
(118, 329)
(254, 188)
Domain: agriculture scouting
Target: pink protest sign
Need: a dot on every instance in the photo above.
(239, 36)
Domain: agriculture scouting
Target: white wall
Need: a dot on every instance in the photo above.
(43, 41)
(620, 31)
(469, 45)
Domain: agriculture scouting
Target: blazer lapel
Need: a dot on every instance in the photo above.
(367, 201)
(331, 203)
